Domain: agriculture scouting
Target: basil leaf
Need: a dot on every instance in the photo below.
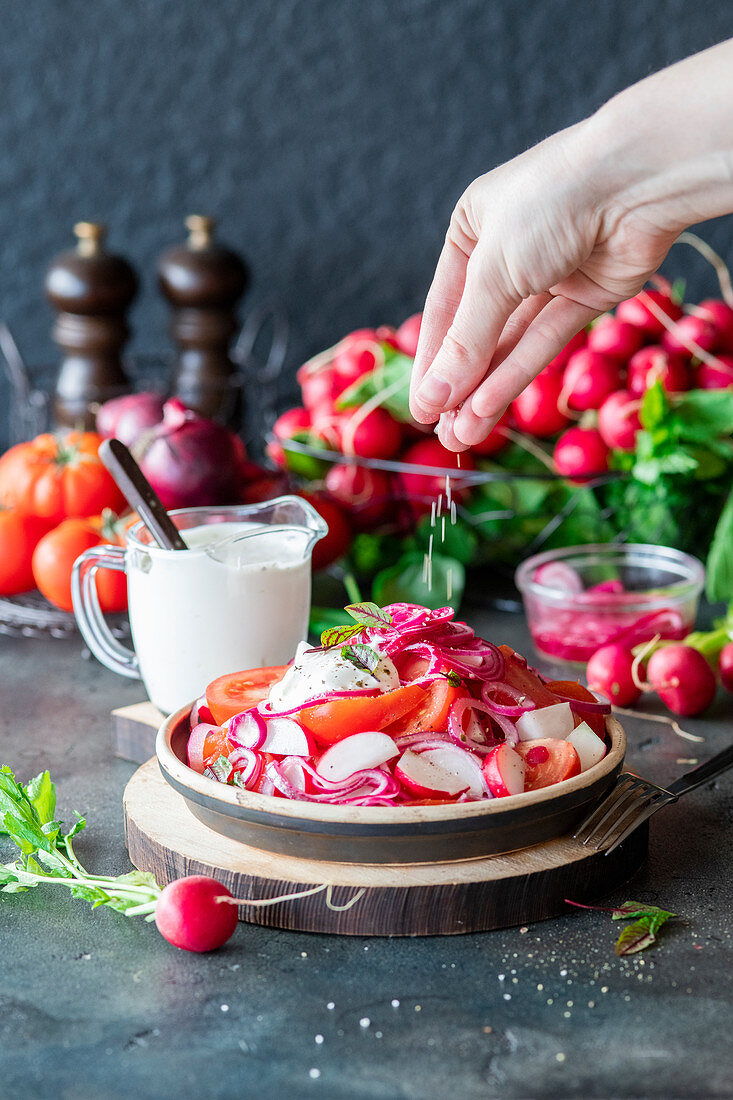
(369, 614)
(361, 656)
(337, 635)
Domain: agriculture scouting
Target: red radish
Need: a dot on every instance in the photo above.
(435, 773)
(286, 738)
(376, 435)
(356, 358)
(618, 420)
(266, 487)
(589, 378)
(504, 771)
(616, 338)
(721, 315)
(127, 418)
(422, 488)
(609, 673)
(338, 540)
(366, 495)
(580, 454)
(691, 329)
(191, 915)
(318, 387)
(291, 422)
(555, 721)
(655, 364)
(716, 376)
(561, 762)
(387, 334)
(359, 336)
(495, 441)
(635, 311)
(589, 747)
(355, 753)
(408, 333)
(561, 359)
(725, 666)
(535, 409)
(682, 679)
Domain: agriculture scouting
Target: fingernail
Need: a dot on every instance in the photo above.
(434, 390)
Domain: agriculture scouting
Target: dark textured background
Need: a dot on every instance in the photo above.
(330, 137)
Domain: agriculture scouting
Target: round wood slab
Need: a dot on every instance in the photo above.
(422, 899)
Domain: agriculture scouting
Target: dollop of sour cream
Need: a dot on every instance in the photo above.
(318, 672)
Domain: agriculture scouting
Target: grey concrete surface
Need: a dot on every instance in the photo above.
(94, 1006)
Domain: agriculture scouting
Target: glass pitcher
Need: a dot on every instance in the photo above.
(238, 598)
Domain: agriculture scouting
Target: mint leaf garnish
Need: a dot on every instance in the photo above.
(369, 614)
(361, 656)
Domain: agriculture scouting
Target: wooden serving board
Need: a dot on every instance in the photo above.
(134, 729)
(400, 900)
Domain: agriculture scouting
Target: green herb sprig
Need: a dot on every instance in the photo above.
(647, 920)
(367, 616)
(47, 856)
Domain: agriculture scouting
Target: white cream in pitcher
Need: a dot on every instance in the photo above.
(230, 602)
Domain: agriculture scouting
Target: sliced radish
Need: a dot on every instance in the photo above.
(553, 721)
(504, 771)
(355, 753)
(448, 770)
(558, 576)
(588, 746)
(286, 738)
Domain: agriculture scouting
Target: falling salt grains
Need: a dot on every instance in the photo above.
(432, 514)
(318, 1040)
(448, 493)
(448, 581)
(442, 529)
(453, 514)
(330, 1006)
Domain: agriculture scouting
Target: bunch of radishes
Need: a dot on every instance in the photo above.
(681, 674)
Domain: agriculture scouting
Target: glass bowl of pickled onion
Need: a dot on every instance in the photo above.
(580, 598)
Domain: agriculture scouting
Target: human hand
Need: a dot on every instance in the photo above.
(535, 250)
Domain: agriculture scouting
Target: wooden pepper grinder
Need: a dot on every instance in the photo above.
(92, 290)
(203, 281)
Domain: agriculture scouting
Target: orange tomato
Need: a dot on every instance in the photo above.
(58, 476)
(430, 712)
(55, 554)
(239, 691)
(331, 722)
(575, 690)
(19, 536)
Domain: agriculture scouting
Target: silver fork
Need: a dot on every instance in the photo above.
(633, 801)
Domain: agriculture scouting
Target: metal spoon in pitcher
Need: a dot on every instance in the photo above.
(140, 494)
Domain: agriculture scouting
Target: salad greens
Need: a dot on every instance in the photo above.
(647, 920)
(46, 852)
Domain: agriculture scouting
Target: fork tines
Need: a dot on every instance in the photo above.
(629, 804)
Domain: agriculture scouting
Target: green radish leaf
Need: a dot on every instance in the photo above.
(710, 410)
(369, 614)
(42, 794)
(654, 407)
(28, 835)
(642, 933)
(361, 655)
(391, 380)
(337, 635)
(719, 579)
(406, 582)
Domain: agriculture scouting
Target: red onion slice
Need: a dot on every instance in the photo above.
(247, 730)
(249, 765)
(196, 742)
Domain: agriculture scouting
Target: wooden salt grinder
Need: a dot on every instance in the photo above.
(203, 281)
(92, 290)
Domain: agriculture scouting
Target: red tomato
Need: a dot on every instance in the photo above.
(431, 712)
(239, 691)
(331, 722)
(19, 536)
(519, 676)
(58, 477)
(215, 745)
(548, 761)
(574, 690)
(55, 554)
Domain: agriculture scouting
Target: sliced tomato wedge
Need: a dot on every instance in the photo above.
(574, 690)
(547, 761)
(331, 722)
(239, 691)
(430, 713)
(518, 676)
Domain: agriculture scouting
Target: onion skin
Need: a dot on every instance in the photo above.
(191, 461)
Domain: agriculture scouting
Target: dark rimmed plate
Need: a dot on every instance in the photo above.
(381, 834)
